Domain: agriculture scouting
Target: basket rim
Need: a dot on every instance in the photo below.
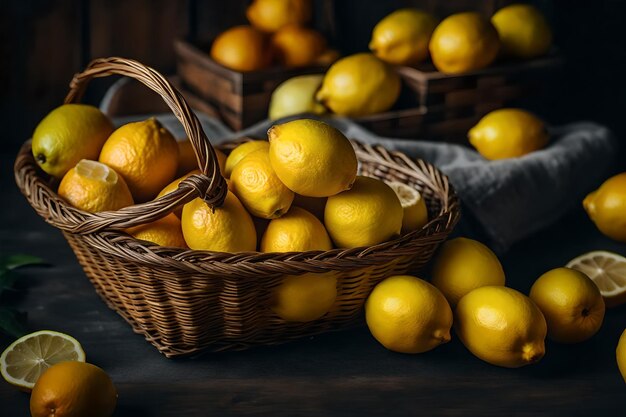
(30, 179)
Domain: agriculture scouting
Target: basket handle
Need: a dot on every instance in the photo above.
(210, 185)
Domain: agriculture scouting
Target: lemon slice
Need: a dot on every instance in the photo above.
(413, 206)
(96, 171)
(28, 357)
(608, 271)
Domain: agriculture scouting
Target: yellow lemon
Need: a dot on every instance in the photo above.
(367, 214)
(296, 46)
(145, 154)
(271, 15)
(464, 42)
(620, 352)
(296, 96)
(413, 205)
(296, 231)
(501, 326)
(305, 297)
(606, 207)
(93, 186)
(463, 265)
(73, 389)
(570, 302)
(172, 186)
(508, 133)
(523, 31)
(408, 315)
(68, 134)
(258, 187)
(242, 48)
(227, 229)
(187, 158)
(312, 158)
(608, 271)
(402, 37)
(359, 85)
(240, 152)
(165, 231)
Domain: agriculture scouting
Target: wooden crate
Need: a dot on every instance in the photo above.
(240, 98)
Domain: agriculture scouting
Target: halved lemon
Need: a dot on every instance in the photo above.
(29, 356)
(413, 206)
(608, 271)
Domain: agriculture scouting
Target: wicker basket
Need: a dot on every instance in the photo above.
(185, 301)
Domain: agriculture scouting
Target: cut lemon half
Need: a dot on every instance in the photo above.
(608, 271)
(28, 357)
(413, 205)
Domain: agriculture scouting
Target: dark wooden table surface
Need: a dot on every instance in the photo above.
(341, 374)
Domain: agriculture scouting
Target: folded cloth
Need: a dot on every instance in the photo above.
(503, 201)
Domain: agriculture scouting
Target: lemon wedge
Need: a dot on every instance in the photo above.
(413, 205)
(28, 357)
(608, 271)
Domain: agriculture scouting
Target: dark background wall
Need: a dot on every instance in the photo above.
(44, 42)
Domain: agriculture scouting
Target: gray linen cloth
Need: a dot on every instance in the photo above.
(503, 201)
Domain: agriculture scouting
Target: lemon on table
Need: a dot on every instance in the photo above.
(23, 362)
(312, 158)
(296, 96)
(257, 186)
(240, 152)
(228, 228)
(508, 133)
(359, 85)
(145, 154)
(187, 158)
(620, 353)
(463, 265)
(296, 46)
(571, 304)
(172, 186)
(242, 48)
(608, 271)
(464, 42)
(523, 31)
(413, 205)
(165, 231)
(93, 187)
(73, 389)
(296, 231)
(606, 207)
(306, 297)
(501, 326)
(408, 315)
(367, 214)
(271, 15)
(402, 37)
(69, 133)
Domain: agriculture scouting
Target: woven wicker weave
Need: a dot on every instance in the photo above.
(185, 301)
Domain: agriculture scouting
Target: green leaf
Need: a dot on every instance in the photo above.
(16, 261)
(11, 322)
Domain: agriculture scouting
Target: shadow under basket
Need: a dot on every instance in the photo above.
(188, 301)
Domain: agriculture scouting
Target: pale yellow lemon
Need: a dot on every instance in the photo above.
(228, 228)
(367, 214)
(402, 37)
(69, 133)
(312, 158)
(296, 96)
(144, 153)
(93, 187)
(501, 326)
(508, 133)
(257, 186)
(295, 231)
(306, 297)
(570, 302)
(463, 265)
(523, 31)
(464, 42)
(240, 152)
(359, 85)
(406, 314)
(606, 207)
